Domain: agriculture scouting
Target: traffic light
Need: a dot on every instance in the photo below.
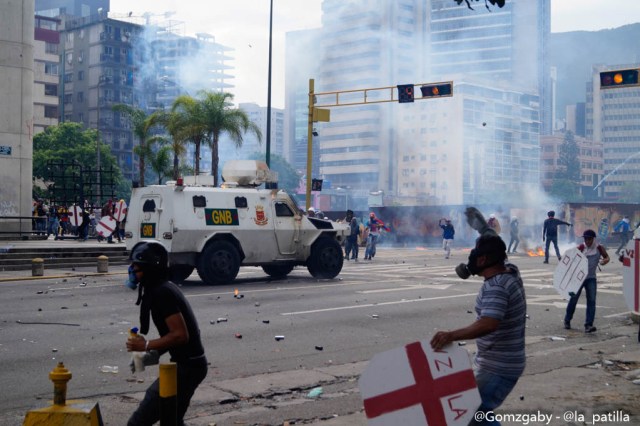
(405, 93)
(437, 90)
(618, 78)
(316, 184)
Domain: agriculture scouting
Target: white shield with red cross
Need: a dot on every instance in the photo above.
(415, 385)
(570, 272)
(120, 210)
(106, 226)
(75, 215)
(631, 274)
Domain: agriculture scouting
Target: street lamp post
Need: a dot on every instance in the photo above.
(268, 150)
(101, 79)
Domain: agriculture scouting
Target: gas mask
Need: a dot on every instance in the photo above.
(132, 280)
(471, 268)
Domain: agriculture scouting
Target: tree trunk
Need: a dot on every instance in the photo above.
(142, 166)
(197, 155)
(214, 160)
(176, 163)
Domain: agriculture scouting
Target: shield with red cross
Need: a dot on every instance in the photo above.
(120, 210)
(631, 275)
(415, 385)
(106, 226)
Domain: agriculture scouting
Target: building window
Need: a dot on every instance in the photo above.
(50, 111)
(80, 97)
(68, 77)
(51, 68)
(51, 48)
(51, 89)
(80, 75)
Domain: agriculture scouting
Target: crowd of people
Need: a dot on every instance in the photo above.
(56, 221)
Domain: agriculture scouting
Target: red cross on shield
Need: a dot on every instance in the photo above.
(414, 385)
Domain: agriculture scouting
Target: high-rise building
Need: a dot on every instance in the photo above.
(498, 54)
(78, 8)
(46, 73)
(612, 119)
(98, 69)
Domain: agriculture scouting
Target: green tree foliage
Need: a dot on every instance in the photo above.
(566, 190)
(160, 162)
(288, 178)
(569, 159)
(69, 143)
(219, 117)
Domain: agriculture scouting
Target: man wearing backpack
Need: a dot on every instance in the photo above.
(596, 255)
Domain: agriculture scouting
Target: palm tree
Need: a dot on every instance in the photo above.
(219, 117)
(141, 129)
(195, 125)
(176, 124)
(160, 162)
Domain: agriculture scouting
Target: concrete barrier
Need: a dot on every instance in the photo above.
(37, 267)
(63, 412)
(103, 264)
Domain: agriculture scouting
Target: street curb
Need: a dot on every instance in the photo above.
(54, 277)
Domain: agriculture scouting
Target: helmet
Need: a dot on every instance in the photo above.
(152, 254)
(513, 218)
(589, 233)
(551, 213)
(311, 209)
(492, 216)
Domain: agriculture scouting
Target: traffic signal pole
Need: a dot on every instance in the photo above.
(362, 97)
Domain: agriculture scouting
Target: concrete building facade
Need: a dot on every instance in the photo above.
(46, 73)
(612, 119)
(16, 113)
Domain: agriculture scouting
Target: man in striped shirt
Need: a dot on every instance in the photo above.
(500, 324)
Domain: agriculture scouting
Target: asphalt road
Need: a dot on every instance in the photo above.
(403, 295)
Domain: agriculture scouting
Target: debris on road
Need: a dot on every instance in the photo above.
(278, 338)
(315, 392)
(109, 369)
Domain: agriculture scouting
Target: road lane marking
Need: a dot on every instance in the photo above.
(369, 305)
(407, 287)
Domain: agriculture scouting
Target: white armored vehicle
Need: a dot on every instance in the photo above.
(217, 230)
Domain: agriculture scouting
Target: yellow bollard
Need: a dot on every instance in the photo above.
(63, 412)
(60, 376)
(103, 264)
(37, 267)
(168, 394)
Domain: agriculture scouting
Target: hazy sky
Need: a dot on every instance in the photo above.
(244, 26)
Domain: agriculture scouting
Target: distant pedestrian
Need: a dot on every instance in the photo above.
(550, 234)
(54, 222)
(351, 244)
(514, 233)
(448, 232)
(107, 210)
(624, 228)
(373, 225)
(596, 255)
(83, 229)
(311, 212)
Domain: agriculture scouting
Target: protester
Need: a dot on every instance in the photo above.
(177, 326)
(373, 225)
(351, 244)
(54, 222)
(514, 232)
(311, 212)
(596, 255)
(499, 328)
(448, 233)
(624, 228)
(494, 223)
(550, 233)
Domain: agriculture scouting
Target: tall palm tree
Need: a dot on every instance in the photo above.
(141, 129)
(194, 125)
(160, 162)
(176, 123)
(220, 117)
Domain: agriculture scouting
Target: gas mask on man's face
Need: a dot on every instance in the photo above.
(471, 268)
(132, 280)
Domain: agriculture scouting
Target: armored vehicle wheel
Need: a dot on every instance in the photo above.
(219, 263)
(326, 258)
(277, 271)
(179, 273)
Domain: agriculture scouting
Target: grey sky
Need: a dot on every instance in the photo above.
(244, 26)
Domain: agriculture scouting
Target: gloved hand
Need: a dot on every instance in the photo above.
(151, 357)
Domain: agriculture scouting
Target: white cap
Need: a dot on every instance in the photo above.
(492, 216)
(311, 209)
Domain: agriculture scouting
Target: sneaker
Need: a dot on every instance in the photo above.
(567, 325)
(589, 329)
(559, 258)
(546, 261)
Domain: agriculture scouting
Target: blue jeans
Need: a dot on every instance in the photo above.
(351, 246)
(550, 240)
(370, 251)
(493, 390)
(589, 286)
